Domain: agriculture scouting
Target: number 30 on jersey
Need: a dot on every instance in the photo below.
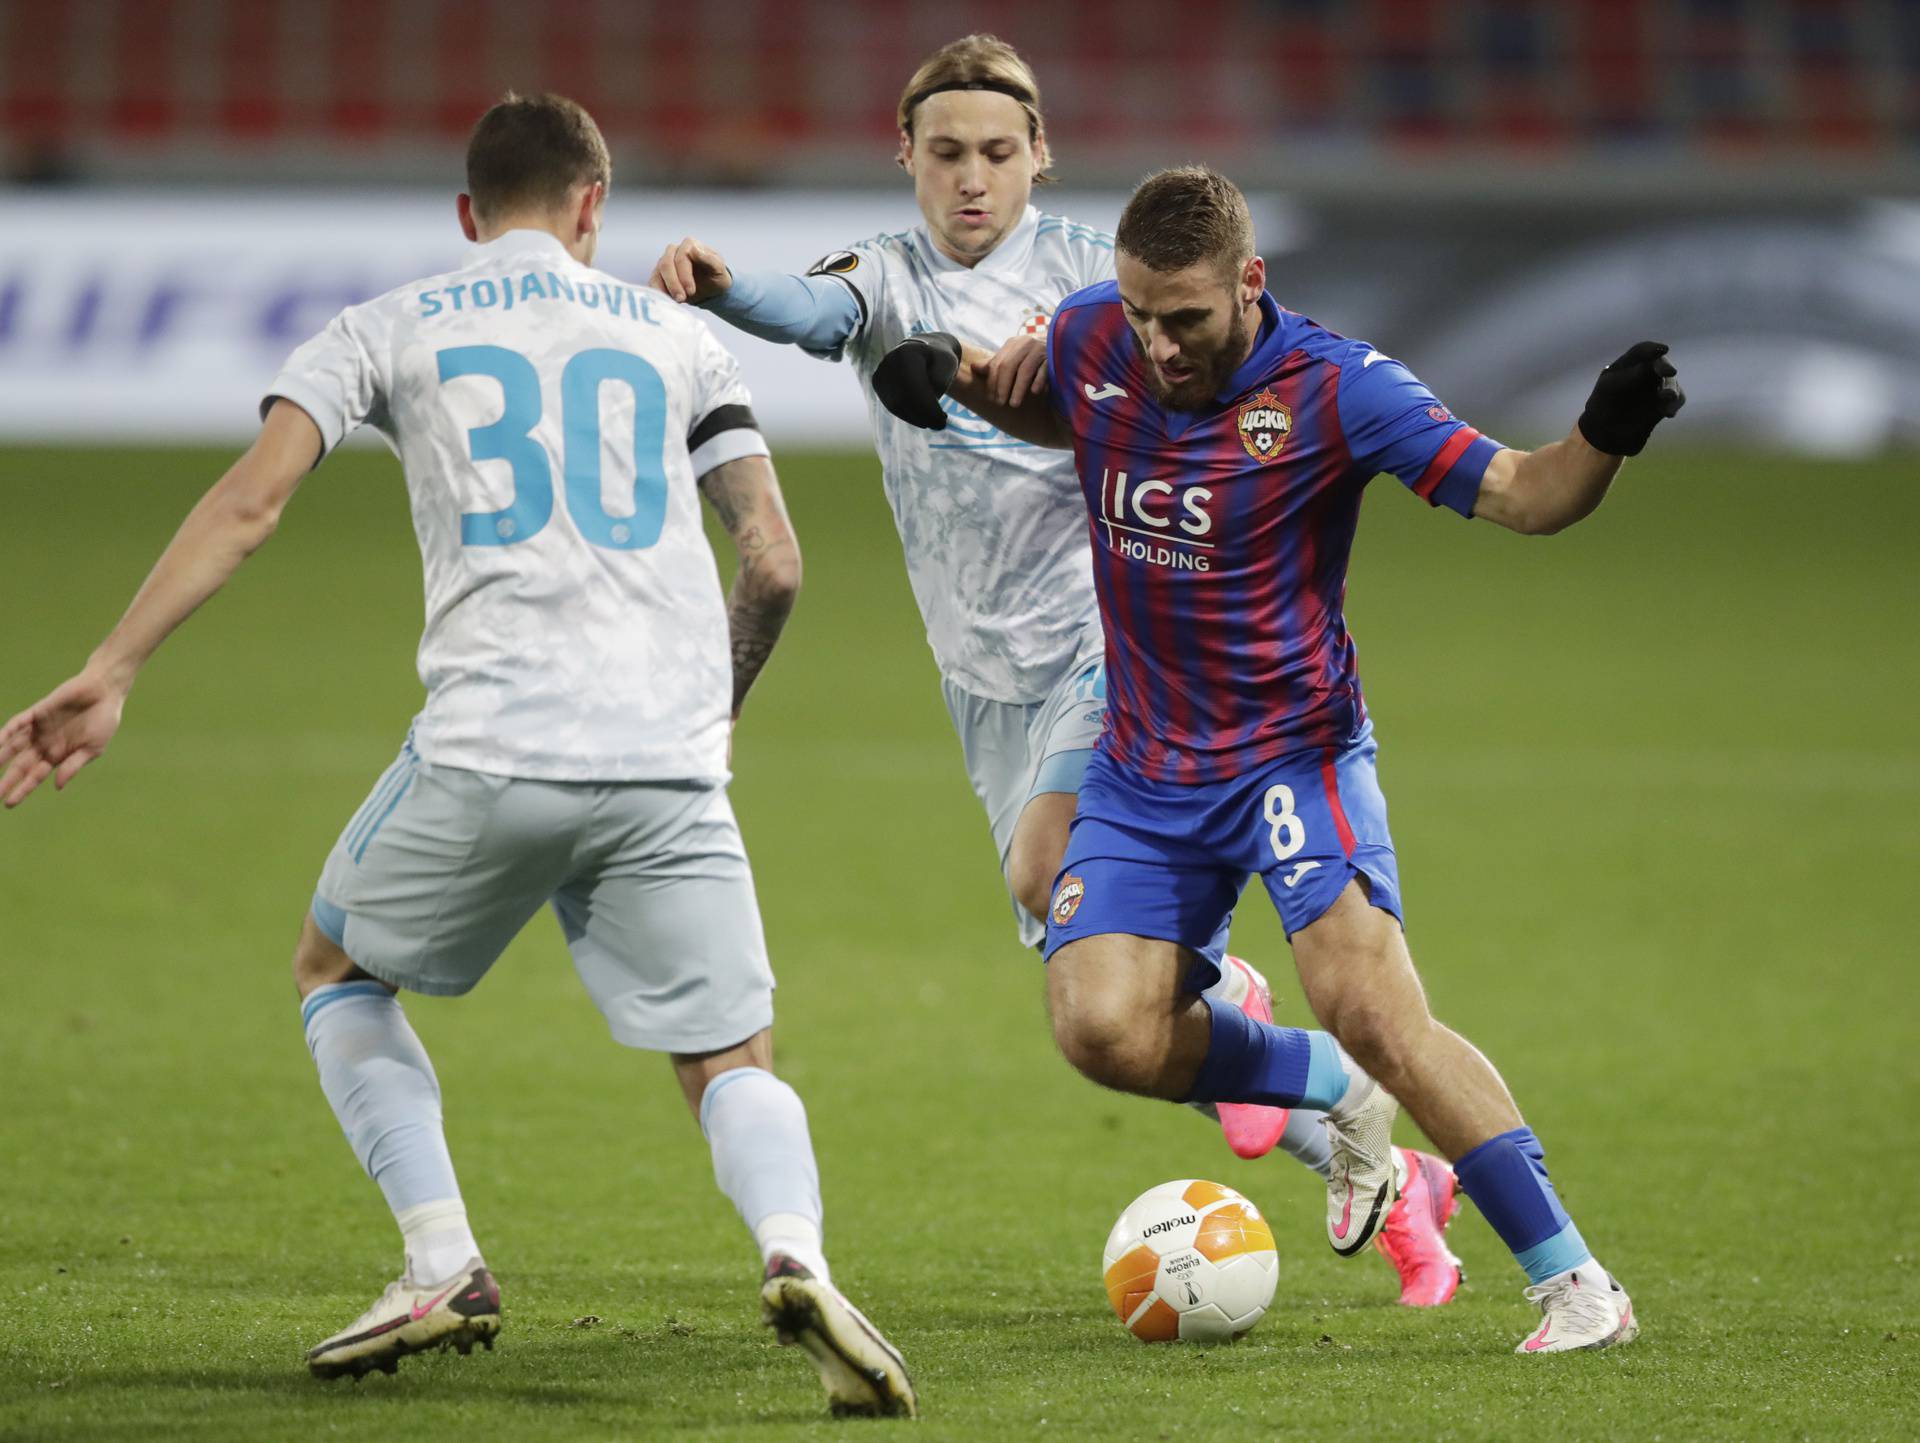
(510, 439)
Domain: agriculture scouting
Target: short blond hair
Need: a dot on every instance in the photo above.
(983, 61)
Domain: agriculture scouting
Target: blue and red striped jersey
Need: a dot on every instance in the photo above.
(1221, 536)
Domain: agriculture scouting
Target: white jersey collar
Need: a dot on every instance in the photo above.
(1012, 254)
(518, 243)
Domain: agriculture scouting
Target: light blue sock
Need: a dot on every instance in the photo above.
(376, 1075)
(763, 1161)
(1327, 1079)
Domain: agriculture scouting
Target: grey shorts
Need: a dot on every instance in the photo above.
(442, 867)
(1015, 751)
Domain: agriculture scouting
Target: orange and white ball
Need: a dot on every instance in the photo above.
(1192, 1261)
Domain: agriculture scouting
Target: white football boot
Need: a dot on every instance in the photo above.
(1583, 1308)
(863, 1373)
(1360, 1185)
(413, 1317)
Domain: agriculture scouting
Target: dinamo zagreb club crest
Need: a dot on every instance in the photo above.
(1264, 426)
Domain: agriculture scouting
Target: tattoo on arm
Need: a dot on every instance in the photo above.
(746, 498)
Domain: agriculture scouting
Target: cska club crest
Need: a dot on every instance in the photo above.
(1264, 425)
(1067, 900)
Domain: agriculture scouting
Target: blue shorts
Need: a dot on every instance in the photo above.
(1167, 860)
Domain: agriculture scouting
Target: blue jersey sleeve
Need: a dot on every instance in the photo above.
(1393, 423)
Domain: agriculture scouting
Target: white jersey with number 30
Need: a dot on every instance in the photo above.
(551, 422)
(994, 530)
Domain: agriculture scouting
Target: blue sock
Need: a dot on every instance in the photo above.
(1249, 1061)
(1506, 1176)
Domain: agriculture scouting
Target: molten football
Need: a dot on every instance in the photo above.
(1190, 1260)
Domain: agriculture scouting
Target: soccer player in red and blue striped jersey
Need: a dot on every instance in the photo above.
(1222, 445)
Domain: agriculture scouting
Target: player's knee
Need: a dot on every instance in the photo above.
(317, 962)
(1103, 1038)
(1030, 879)
(1039, 842)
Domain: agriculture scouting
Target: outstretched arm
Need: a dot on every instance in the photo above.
(1544, 491)
(816, 313)
(72, 725)
(745, 495)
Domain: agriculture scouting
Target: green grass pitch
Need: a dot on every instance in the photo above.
(1654, 784)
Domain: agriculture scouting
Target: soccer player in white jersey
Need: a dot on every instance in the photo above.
(995, 532)
(582, 671)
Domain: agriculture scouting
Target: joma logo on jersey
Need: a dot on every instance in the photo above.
(1145, 522)
(1265, 423)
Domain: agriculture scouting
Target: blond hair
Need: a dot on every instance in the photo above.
(982, 62)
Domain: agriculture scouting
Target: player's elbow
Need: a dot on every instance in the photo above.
(1551, 521)
(247, 519)
(779, 573)
(1520, 514)
(1542, 523)
(257, 520)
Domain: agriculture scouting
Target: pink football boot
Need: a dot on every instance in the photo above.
(1411, 1238)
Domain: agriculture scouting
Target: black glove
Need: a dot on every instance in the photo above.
(914, 375)
(1632, 396)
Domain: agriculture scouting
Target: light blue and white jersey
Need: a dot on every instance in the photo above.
(994, 530)
(551, 422)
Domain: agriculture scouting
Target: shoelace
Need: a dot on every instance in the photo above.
(1586, 1308)
(1364, 1150)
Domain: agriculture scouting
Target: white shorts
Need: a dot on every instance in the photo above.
(442, 867)
(1015, 751)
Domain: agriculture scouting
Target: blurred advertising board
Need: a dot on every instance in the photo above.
(144, 315)
(149, 315)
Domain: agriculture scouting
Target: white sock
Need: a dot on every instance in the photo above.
(796, 1236)
(1306, 1141)
(763, 1161)
(377, 1077)
(1232, 986)
(1592, 1275)
(438, 1241)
